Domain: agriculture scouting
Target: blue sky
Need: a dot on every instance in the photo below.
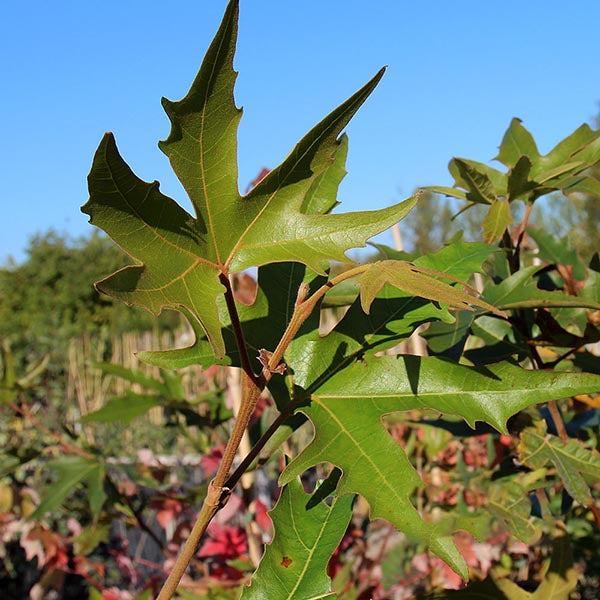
(458, 72)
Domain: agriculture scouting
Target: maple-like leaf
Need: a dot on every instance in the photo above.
(347, 409)
(182, 260)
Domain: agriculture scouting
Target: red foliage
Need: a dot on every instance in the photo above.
(224, 542)
(167, 509)
(210, 461)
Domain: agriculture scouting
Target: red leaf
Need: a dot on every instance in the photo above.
(226, 542)
(210, 462)
(167, 509)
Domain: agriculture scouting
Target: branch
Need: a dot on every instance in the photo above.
(520, 233)
(237, 328)
(252, 386)
(218, 494)
(255, 451)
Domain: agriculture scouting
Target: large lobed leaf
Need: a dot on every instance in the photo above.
(179, 257)
(294, 565)
(347, 409)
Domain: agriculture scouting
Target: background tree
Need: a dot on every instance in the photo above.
(48, 298)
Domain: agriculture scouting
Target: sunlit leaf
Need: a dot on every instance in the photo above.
(479, 185)
(346, 411)
(294, 564)
(496, 220)
(417, 281)
(517, 142)
(182, 260)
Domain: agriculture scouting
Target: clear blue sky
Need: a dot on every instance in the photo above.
(458, 71)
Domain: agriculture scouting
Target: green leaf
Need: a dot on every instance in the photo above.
(497, 178)
(556, 173)
(576, 465)
(480, 188)
(459, 259)
(132, 375)
(448, 339)
(496, 220)
(321, 197)
(70, 472)
(446, 191)
(393, 316)
(167, 242)
(346, 411)
(123, 408)
(294, 565)
(565, 149)
(417, 281)
(517, 142)
(263, 322)
(520, 291)
(519, 183)
(180, 259)
(557, 251)
(500, 339)
(507, 499)
(582, 185)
